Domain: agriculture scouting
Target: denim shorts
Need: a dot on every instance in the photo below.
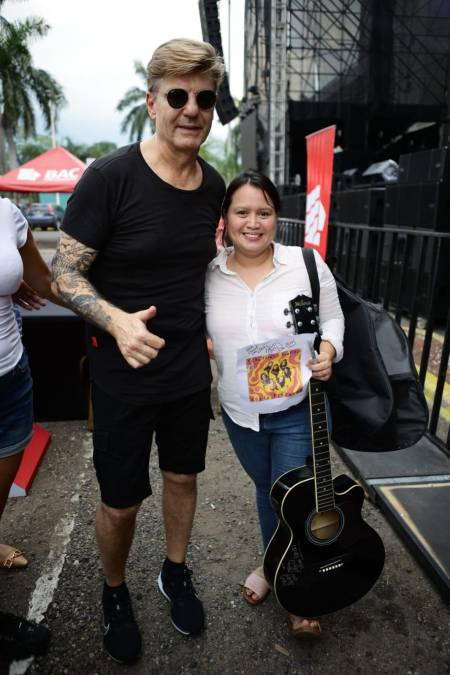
(16, 408)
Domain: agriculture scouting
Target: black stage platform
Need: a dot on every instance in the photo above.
(412, 488)
(55, 342)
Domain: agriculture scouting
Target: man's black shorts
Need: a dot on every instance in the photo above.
(123, 436)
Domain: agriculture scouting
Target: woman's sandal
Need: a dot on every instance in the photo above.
(13, 558)
(303, 628)
(257, 585)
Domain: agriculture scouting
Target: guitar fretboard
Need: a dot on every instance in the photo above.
(321, 448)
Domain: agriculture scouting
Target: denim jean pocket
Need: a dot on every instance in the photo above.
(23, 365)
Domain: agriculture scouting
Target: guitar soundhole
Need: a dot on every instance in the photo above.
(325, 526)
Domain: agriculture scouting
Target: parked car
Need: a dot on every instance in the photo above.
(44, 215)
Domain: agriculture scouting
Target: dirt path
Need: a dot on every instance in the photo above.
(401, 627)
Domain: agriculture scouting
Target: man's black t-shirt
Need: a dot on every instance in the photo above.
(155, 242)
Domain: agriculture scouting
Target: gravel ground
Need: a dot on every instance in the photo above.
(401, 627)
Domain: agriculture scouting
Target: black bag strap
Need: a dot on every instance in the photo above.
(311, 268)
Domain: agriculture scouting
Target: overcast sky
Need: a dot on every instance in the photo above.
(92, 45)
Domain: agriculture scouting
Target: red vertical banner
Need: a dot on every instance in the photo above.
(320, 153)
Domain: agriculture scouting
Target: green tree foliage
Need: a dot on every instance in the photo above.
(77, 149)
(29, 149)
(83, 151)
(22, 85)
(224, 155)
(101, 148)
(136, 119)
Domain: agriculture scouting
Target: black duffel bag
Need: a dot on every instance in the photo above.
(375, 394)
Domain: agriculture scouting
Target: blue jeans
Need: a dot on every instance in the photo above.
(16, 408)
(282, 443)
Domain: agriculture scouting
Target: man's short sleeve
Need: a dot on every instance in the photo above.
(88, 217)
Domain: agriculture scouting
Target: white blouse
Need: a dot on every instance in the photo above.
(237, 316)
(13, 235)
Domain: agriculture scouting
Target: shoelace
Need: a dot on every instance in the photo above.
(121, 610)
(182, 586)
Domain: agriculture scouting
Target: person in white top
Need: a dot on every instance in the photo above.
(248, 287)
(20, 261)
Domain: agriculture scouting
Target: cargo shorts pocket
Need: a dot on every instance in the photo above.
(121, 464)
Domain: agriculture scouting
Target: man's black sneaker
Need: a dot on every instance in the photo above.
(20, 638)
(121, 636)
(186, 610)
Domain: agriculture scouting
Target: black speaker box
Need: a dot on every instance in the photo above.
(418, 206)
(408, 205)
(440, 165)
(415, 167)
(425, 166)
(55, 341)
(225, 106)
(435, 207)
(365, 206)
(293, 206)
(209, 19)
(390, 206)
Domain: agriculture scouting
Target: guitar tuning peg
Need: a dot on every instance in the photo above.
(300, 323)
(285, 311)
(310, 309)
(288, 324)
(296, 310)
(313, 323)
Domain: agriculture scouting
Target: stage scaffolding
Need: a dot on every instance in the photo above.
(374, 67)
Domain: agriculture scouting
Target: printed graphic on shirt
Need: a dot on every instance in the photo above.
(274, 375)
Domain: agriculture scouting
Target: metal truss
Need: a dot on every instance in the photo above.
(326, 39)
(334, 52)
(369, 52)
(278, 92)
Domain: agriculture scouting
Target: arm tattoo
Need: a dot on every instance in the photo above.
(70, 266)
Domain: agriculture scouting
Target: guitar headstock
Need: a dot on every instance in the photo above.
(304, 315)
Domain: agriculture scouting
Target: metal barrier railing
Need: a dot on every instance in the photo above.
(408, 272)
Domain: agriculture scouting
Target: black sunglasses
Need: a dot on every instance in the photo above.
(177, 98)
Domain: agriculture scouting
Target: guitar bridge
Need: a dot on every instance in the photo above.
(331, 567)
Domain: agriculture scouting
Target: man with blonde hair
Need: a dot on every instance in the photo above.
(137, 237)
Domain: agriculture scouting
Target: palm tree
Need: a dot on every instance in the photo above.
(21, 85)
(84, 152)
(137, 117)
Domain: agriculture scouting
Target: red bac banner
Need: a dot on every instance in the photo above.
(320, 153)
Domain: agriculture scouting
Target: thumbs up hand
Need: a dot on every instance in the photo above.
(137, 344)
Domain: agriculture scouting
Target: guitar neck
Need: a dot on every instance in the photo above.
(321, 447)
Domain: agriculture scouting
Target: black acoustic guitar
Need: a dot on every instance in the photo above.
(323, 555)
